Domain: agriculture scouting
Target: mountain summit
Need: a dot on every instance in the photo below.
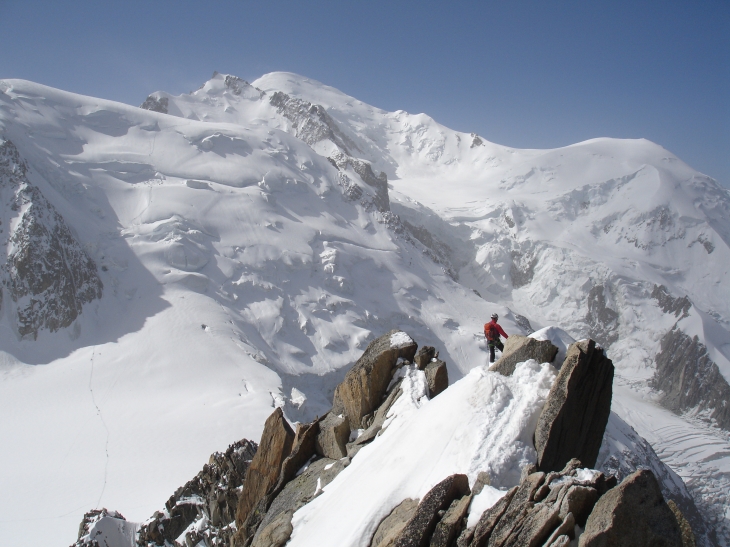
(208, 257)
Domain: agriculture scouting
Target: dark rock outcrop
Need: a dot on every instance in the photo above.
(451, 524)
(379, 183)
(423, 356)
(156, 104)
(688, 537)
(678, 306)
(690, 379)
(575, 415)
(417, 532)
(263, 474)
(632, 514)
(212, 496)
(437, 377)
(519, 348)
(365, 384)
(44, 269)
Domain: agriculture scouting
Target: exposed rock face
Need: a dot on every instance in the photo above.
(211, 498)
(44, 269)
(334, 432)
(276, 525)
(310, 122)
(392, 525)
(632, 514)
(602, 321)
(451, 524)
(379, 183)
(365, 384)
(519, 348)
(421, 526)
(155, 104)
(669, 304)
(437, 377)
(689, 378)
(263, 473)
(575, 415)
(542, 509)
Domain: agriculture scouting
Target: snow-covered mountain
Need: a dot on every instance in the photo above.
(236, 248)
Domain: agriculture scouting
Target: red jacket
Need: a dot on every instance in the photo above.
(499, 329)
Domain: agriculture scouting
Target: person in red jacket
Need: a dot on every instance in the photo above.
(492, 331)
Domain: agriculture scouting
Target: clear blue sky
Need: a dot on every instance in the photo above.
(528, 74)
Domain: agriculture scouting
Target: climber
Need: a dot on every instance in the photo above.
(492, 330)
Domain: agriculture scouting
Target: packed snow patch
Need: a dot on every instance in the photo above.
(400, 340)
(483, 422)
(481, 502)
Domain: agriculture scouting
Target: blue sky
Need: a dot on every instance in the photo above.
(528, 74)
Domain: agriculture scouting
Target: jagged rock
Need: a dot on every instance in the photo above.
(689, 378)
(669, 304)
(379, 183)
(632, 514)
(44, 269)
(334, 432)
(451, 524)
(297, 492)
(377, 424)
(540, 510)
(391, 526)
(423, 356)
(263, 473)
(155, 105)
(437, 377)
(211, 496)
(420, 527)
(364, 385)
(688, 537)
(519, 348)
(575, 415)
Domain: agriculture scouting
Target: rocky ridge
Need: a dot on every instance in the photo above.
(45, 271)
(289, 469)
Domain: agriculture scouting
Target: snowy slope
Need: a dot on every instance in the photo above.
(242, 269)
(234, 267)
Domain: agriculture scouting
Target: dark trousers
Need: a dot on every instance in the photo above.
(492, 344)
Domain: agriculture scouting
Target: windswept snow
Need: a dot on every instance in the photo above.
(483, 422)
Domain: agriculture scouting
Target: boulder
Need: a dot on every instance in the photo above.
(276, 533)
(576, 412)
(437, 377)
(391, 526)
(519, 348)
(263, 473)
(483, 530)
(365, 384)
(420, 527)
(423, 356)
(334, 432)
(631, 515)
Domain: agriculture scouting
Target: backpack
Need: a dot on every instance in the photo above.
(491, 331)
